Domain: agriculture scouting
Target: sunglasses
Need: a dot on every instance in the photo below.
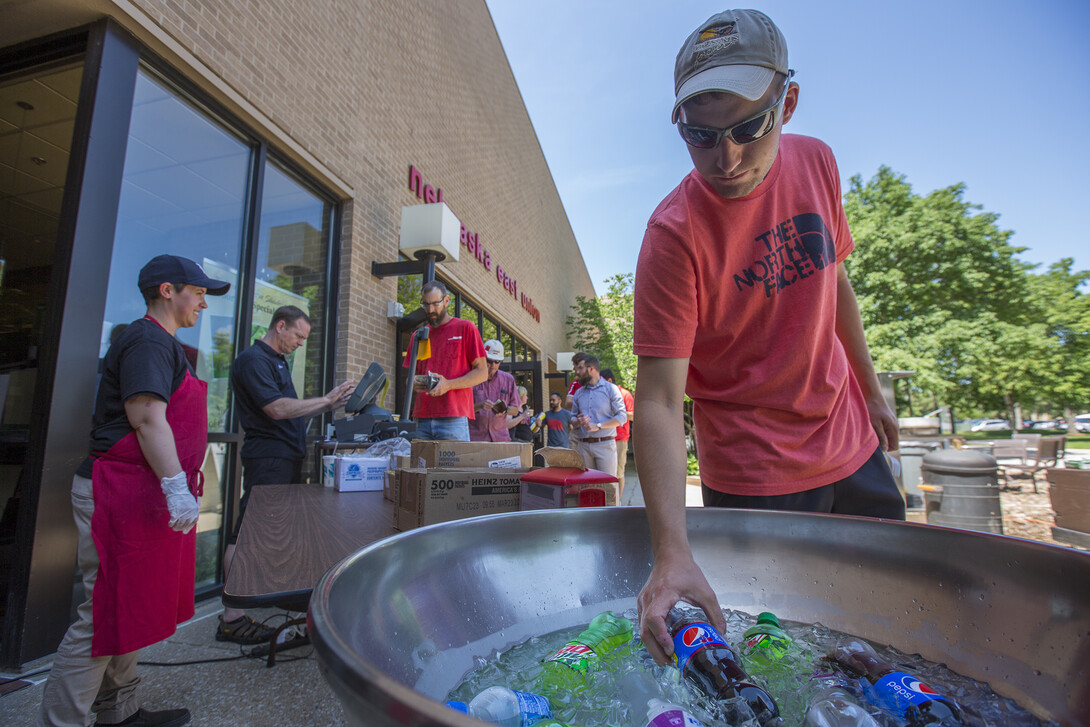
(754, 128)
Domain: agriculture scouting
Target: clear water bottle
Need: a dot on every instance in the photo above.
(895, 691)
(507, 707)
(638, 689)
(831, 703)
(567, 668)
(666, 714)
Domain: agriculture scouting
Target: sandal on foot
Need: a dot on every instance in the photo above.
(243, 630)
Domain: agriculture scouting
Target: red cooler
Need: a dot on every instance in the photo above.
(566, 483)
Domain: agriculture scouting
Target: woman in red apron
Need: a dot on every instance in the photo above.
(146, 569)
(135, 502)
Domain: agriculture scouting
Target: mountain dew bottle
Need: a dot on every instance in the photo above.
(766, 643)
(568, 667)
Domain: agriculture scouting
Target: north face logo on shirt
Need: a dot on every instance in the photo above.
(794, 250)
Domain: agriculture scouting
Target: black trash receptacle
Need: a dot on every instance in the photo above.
(966, 493)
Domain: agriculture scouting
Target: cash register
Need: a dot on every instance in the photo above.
(366, 421)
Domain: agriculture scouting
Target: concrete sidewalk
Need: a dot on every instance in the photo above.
(633, 495)
(230, 689)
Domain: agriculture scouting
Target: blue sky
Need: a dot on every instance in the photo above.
(992, 94)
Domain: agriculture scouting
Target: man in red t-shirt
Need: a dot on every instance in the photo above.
(743, 303)
(457, 360)
(624, 431)
(577, 371)
(569, 400)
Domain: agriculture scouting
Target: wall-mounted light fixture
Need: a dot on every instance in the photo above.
(430, 233)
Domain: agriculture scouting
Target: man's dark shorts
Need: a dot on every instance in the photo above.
(870, 491)
(265, 471)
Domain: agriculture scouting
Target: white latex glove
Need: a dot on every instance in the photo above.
(181, 503)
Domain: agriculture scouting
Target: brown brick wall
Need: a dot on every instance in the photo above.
(369, 87)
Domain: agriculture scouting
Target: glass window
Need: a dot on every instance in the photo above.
(470, 312)
(210, 533)
(37, 119)
(408, 291)
(490, 330)
(508, 342)
(183, 192)
(292, 261)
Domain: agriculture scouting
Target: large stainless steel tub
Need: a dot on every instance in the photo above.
(397, 624)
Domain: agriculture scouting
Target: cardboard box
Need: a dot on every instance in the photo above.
(1069, 490)
(426, 497)
(566, 482)
(427, 455)
(389, 484)
(361, 474)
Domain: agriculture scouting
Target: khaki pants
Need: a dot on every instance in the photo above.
(80, 683)
(622, 460)
(601, 456)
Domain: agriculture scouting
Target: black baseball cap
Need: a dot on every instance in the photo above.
(175, 269)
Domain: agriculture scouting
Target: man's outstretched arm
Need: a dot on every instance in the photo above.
(849, 329)
(660, 461)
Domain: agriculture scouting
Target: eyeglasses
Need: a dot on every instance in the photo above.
(754, 128)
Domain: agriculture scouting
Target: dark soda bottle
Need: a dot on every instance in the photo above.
(898, 692)
(705, 658)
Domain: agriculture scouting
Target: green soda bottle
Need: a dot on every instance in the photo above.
(766, 643)
(568, 667)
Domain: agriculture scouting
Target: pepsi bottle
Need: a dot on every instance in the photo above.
(705, 658)
(898, 692)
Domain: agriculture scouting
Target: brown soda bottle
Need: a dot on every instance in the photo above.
(705, 658)
(898, 692)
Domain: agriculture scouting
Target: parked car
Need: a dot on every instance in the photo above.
(1050, 424)
(1082, 423)
(991, 425)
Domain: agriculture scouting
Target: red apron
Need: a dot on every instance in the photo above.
(146, 570)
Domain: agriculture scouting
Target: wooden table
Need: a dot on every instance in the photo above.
(292, 534)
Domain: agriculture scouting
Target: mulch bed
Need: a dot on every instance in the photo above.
(1027, 514)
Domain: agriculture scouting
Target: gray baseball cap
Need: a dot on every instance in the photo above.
(736, 51)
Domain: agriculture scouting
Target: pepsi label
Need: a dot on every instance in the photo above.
(692, 638)
(898, 692)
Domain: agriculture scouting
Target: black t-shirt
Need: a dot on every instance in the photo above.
(260, 376)
(521, 431)
(145, 360)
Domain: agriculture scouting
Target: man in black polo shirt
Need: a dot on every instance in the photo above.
(275, 422)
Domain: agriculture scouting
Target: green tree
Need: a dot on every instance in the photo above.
(602, 325)
(1063, 312)
(942, 293)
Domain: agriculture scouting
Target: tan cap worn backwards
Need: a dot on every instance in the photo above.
(736, 51)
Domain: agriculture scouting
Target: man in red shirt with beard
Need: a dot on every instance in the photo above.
(443, 411)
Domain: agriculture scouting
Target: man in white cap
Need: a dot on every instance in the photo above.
(496, 402)
(743, 303)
